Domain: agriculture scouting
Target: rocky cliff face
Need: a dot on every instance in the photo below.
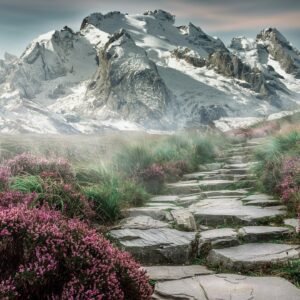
(281, 50)
(128, 83)
(141, 71)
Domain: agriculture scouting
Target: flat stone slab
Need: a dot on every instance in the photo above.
(217, 238)
(295, 223)
(215, 184)
(254, 255)
(163, 273)
(179, 200)
(226, 287)
(211, 166)
(184, 187)
(165, 199)
(184, 219)
(262, 203)
(263, 233)
(236, 171)
(157, 246)
(218, 211)
(248, 165)
(257, 197)
(217, 193)
(143, 223)
(157, 212)
(198, 175)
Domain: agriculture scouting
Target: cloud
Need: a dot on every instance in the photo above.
(21, 20)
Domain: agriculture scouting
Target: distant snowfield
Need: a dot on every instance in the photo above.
(226, 124)
(45, 90)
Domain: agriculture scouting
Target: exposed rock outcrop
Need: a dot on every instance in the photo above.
(128, 82)
(281, 50)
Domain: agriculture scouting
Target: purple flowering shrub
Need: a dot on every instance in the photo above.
(289, 185)
(51, 190)
(153, 178)
(46, 256)
(28, 164)
(5, 175)
(10, 199)
(175, 169)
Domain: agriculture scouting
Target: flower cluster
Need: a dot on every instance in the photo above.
(45, 256)
(174, 170)
(289, 186)
(26, 163)
(4, 178)
(10, 199)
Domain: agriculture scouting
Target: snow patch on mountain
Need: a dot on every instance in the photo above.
(153, 75)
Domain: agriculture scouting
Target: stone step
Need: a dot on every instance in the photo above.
(158, 245)
(217, 184)
(219, 211)
(263, 233)
(163, 273)
(293, 223)
(237, 177)
(199, 175)
(183, 187)
(226, 287)
(220, 193)
(247, 166)
(210, 167)
(254, 256)
(260, 200)
(158, 212)
(237, 171)
(179, 200)
(236, 159)
(228, 237)
(142, 222)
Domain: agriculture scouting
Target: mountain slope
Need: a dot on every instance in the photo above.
(141, 71)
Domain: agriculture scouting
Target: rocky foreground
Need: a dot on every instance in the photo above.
(206, 217)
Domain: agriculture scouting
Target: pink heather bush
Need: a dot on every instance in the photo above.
(25, 164)
(153, 178)
(174, 170)
(289, 186)
(10, 199)
(4, 178)
(45, 256)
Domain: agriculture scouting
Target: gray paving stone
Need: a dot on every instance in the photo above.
(253, 256)
(227, 287)
(157, 246)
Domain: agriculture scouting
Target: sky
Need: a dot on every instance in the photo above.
(23, 20)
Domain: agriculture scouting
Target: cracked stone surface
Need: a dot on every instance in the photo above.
(163, 273)
(184, 187)
(184, 219)
(180, 200)
(219, 211)
(253, 255)
(226, 287)
(217, 238)
(220, 193)
(158, 212)
(157, 246)
(143, 223)
(295, 223)
(263, 233)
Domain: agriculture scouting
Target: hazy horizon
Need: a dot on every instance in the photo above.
(23, 20)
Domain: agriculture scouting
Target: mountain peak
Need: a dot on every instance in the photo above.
(161, 15)
(273, 35)
(96, 18)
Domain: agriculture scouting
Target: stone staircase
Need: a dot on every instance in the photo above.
(208, 217)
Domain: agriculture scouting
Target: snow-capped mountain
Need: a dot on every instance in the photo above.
(141, 71)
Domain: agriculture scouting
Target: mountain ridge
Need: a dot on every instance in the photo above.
(142, 72)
